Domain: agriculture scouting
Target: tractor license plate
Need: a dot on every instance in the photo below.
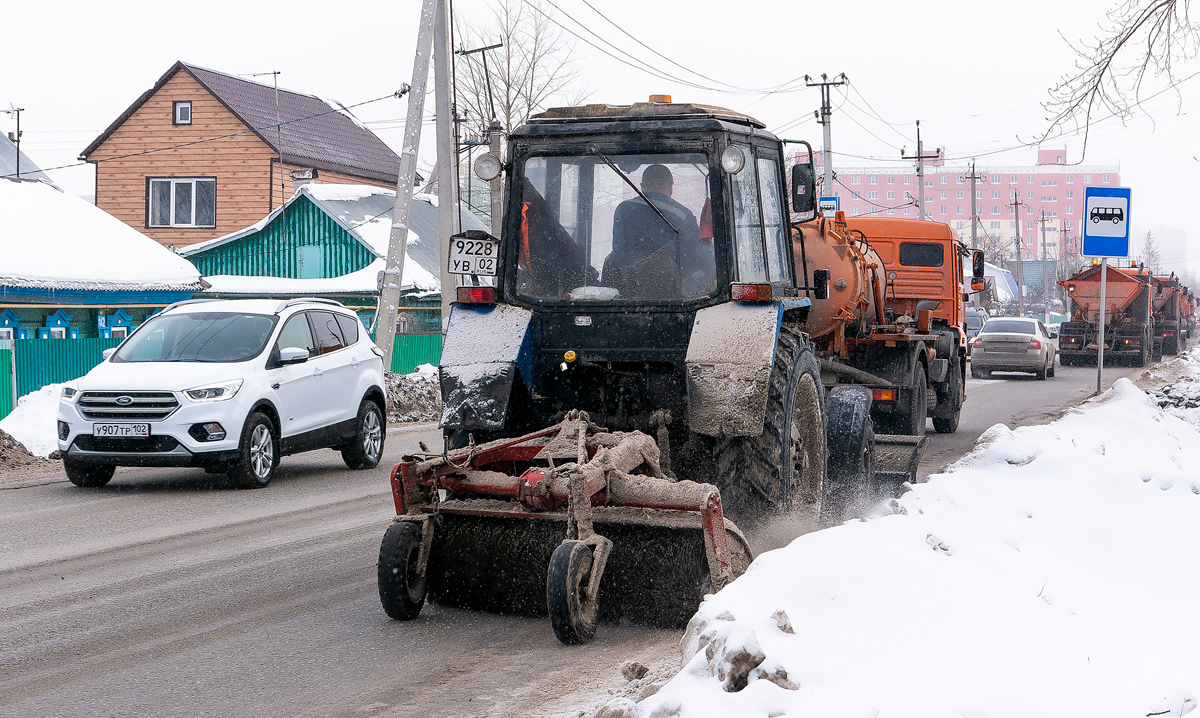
(474, 256)
(120, 431)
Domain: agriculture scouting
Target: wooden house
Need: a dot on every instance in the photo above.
(202, 154)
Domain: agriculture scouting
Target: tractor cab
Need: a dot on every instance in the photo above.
(620, 224)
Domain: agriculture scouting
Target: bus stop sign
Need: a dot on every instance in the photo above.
(1106, 221)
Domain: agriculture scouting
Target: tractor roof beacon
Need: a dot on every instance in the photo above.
(648, 308)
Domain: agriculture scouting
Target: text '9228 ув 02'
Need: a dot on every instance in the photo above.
(228, 385)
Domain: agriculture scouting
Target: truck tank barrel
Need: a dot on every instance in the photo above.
(853, 285)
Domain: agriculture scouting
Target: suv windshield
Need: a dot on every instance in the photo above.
(198, 337)
(587, 235)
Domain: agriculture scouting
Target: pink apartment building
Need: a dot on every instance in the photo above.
(1050, 185)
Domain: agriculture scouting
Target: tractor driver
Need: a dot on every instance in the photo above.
(652, 258)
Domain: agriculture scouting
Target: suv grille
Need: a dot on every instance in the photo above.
(127, 405)
(87, 442)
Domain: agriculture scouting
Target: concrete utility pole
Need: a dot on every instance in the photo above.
(823, 118)
(973, 177)
(16, 137)
(393, 273)
(1045, 278)
(498, 183)
(920, 157)
(1017, 204)
(447, 156)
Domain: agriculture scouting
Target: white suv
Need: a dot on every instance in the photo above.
(229, 385)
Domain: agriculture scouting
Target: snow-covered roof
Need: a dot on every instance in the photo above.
(50, 239)
(365, 212)
(8, 162)
(364, 281)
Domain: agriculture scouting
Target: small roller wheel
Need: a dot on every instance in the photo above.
(572, 613)
(401, 588)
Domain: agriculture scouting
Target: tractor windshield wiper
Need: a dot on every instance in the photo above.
(637, 189)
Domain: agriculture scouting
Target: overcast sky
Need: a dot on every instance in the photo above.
(975, 77)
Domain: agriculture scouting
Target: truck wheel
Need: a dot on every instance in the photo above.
(257, 454)
(401, 588)
(950, 399)
(367, 447)
(784, 467)
(912, 421)
(572, 613)
(851, 439)
(88, 475)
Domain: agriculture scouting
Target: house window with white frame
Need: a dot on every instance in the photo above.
(182, 111)
(6, 334)
(119, 332)
(58, 332)
(181, 202)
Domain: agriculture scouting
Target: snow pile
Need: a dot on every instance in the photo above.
(51, 239)
(414, 397)
(1051, 572)
(33, 420)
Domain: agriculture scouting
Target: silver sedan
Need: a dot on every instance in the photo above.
(1012, 344)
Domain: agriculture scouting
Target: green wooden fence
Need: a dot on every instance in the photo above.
(7, 400)
(39, 362)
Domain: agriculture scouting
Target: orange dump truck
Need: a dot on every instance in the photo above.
(894, 319)
(1170, 330)
(1129, 320)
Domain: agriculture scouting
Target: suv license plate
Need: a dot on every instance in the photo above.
(120, 430)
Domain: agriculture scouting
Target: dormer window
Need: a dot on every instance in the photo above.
(183, 113)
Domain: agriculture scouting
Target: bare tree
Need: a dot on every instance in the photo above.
(1135, 57)
(533, 66)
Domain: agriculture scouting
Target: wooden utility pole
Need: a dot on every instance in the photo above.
(393, 273)
(823, 119)
(920, 157)
(447, 155)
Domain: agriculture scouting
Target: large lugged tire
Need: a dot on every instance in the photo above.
(401, 589)
(949, 400)
(784, 467)
(573, 614)
(369, 432)
(88, 475)
(850, 478)
(258, 453)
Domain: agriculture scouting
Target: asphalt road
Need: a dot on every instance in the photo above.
(168, 594)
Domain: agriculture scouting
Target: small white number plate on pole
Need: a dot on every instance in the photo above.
(473, 256)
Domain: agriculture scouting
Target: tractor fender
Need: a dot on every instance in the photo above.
(729, 358)
(485, 347)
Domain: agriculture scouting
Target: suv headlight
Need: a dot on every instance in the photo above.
(217, 392)
(68, 394)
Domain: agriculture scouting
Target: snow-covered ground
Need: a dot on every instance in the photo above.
(1052, 572)
(33, 420)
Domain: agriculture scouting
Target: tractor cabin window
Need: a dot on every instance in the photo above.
(182, 202)
(586, 235)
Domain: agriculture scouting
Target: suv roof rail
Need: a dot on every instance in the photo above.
(306, 300)
(169, 307)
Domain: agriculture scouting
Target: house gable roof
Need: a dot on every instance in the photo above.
(315, 132)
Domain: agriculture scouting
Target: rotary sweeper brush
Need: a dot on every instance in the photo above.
(571, 520)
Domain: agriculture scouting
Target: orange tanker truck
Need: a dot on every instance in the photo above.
(894, 320)
(1170, 330)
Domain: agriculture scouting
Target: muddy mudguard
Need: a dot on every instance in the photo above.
(729, 358)
(485, 347)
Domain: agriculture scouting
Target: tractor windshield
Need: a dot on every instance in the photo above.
(616, 228)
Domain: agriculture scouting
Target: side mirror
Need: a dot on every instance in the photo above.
(804, 189)
(976, 266)
(978, 285)
(1053, 334)
(821, 283)
(293, 355)
(107, 353)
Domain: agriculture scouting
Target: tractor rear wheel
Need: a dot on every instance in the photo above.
(572, 612)
(784, 467)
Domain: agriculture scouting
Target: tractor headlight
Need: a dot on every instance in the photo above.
(733, 159)
(487, 167)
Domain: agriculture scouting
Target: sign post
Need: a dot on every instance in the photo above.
(1105, 234)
